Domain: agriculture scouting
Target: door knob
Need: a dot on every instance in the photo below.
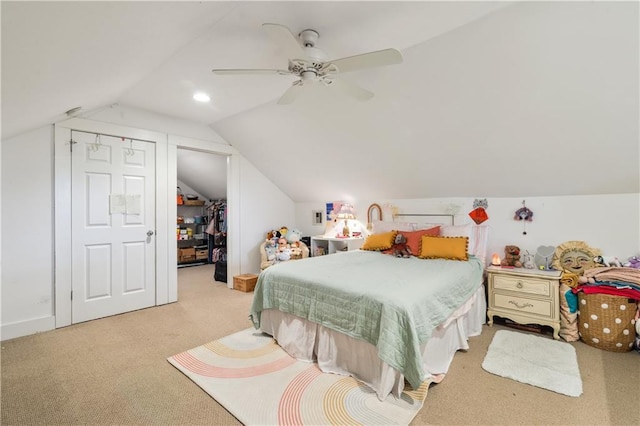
(149, 233)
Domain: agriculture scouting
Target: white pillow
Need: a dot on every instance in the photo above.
(456, 230)
(478, 237)
(380, 226)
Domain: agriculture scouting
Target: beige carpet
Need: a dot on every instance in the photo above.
(115, 371)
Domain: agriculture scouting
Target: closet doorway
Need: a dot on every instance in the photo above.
(201, 197)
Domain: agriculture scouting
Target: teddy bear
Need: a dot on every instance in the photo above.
(400, 248)
(511, 256)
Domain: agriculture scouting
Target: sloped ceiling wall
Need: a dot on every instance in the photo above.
(494, 99)
(534, 99)
(206, 173)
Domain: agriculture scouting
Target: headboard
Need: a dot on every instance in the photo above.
(451, 217)
(478, 234)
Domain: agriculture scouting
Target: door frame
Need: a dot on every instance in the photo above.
(233, 216)
(62, 207)
(166, 208)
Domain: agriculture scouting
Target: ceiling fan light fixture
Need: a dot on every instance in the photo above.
(310, 64)
(201, 97)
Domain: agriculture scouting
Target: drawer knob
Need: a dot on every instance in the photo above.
(519, 284)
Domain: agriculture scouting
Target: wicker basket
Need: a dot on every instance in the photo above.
(606, 321)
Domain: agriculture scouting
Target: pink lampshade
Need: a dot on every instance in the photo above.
(347, 212)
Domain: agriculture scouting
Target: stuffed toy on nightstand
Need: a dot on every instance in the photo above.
(511, 256)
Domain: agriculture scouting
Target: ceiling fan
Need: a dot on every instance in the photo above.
(312, 66)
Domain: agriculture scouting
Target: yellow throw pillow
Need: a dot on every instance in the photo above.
(453, 248)
(381, 241)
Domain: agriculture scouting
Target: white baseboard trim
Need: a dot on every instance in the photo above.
(25, 328)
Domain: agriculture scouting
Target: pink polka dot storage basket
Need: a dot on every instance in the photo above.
(606, 321)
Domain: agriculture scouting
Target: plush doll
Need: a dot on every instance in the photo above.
(270, 249)
(283, 231)
(283, 254)
(528, 261)
(273, 235)
(634, 262)
(400, 248)
(511, 256)
(607, 261)
(293, 236)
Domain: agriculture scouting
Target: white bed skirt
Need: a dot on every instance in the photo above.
(338, 353)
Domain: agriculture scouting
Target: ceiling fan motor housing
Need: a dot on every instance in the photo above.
(309, 37)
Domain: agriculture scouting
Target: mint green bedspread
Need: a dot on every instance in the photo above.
(392, 303)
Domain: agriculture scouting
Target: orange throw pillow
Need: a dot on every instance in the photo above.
(414, 238)
(382, 241)
(453, 248)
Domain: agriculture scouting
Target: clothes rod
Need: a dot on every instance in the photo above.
(109, 135)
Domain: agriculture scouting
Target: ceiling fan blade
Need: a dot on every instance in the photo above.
(284, 38)
(368, 60)
(350, 89)
(249, 71)
(291, 93)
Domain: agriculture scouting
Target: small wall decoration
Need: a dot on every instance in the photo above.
(373, 210)
(525, 215)
(479, 214)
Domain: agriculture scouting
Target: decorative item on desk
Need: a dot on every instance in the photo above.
(542, 258)
(346, 213)
(345, 229)
(479, 214)
(495, 259)
(528, 260)
(525, 215)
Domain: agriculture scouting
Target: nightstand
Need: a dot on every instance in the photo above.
(526, 296)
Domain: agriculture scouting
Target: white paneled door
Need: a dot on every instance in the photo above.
(112, 225)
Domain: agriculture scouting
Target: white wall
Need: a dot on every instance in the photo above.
(263, 207)
(610, 223)
(28, 228)
(27, 232)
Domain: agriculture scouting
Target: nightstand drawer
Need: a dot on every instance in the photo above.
(539, 287)
(518, 304)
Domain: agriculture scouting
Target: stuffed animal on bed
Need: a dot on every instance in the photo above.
(607, 261)
(634, 262)
(400, 248)
(511, 256)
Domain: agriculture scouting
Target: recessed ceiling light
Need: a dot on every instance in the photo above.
(201, 97)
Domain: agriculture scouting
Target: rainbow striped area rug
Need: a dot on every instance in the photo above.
(260, 384)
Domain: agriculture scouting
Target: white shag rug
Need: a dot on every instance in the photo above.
(538, 361)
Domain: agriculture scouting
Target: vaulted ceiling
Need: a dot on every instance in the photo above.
(493, 99)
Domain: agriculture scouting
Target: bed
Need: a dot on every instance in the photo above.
(381, 319)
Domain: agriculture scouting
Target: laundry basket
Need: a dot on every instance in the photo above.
(606, 321)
